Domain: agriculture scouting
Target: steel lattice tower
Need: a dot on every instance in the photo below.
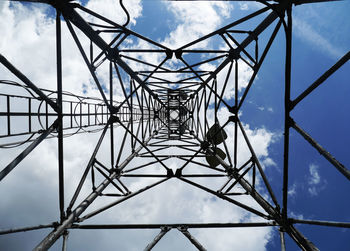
(164, 116)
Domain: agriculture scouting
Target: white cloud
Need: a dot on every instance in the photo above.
(269, 162)
(292, 191)
(195, 20)
(112, 10)
(306, 32)
(315, 182)
(314, 175)
(243, 6)
(296, 215)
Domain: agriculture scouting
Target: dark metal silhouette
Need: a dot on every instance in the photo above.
(165, 106)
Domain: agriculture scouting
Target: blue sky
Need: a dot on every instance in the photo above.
(317, 190)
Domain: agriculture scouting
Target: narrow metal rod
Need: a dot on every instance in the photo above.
(60, 116)
(122, 146)
(122, 86)
(321, 223)
(87, 169)
(8, 113)
(50, 239)
(159, 236)
(256, 160)
(238, 179)
(287, 103)
(283, 243)
(189, 225)
(25, 80)
(222, 196)
(322, 151)
(130, 195)
(111, 101)
(70, 14)
(236, 114)
(274, 213)
(321, 79)
(64, 241)
(26, 151)
(226, 27)
(256, 32)
(144, 146)
(258, 65)
(193, 240)
(90, 67)
(24, 229)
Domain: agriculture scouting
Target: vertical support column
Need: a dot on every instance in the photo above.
(60, 116)
(159, 236)
(65, 239)
(111, 102)
(206, 126)
(287, 109)
(236, 114)
(29, 114)
(8, 115)
(142, 118)
(131, 117)
(283, 244)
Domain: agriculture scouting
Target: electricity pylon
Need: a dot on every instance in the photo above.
(171, 109)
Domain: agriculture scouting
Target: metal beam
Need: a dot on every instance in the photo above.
(26, 151)
(50, 239)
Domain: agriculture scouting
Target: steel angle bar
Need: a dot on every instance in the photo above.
(202, 164)
(24, 229)
(145, 175)
(159, 236)
(73, 216)
(142, 166)
(130, 195)
(111, 129)
(321, 79)
(87, 169)
(251, 37)
(321, 223)
(259, 63)
(256, 160)
(190, 159)
(235, 148)
(60, 115)
(203, 175)
(110, 180)
(65, 240)
(26, 151)
(225, 83)
(71, 15)
(145, 63)
(287, 102)
(122, 86)
(283, 242)
(188, 225)
(121, 27)
(339, 166)
(91, 69)
(193, 240)
(242, 49)
(28, 83)
(238, 179)
(250, 16)
(222, 196)
(199, 63)
(155, 150)
(273, 213)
